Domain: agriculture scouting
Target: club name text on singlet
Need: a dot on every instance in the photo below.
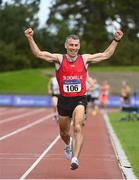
(71, 77)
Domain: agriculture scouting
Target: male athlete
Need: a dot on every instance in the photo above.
(71, 70)
(53, 90)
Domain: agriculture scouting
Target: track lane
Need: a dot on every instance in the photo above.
(17, 121)
(20, 151)
(10, 112)
(2, 109)
(97, 160)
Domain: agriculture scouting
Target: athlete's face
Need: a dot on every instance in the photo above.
(72, 46)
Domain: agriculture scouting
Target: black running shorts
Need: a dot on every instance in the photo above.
(66, 105)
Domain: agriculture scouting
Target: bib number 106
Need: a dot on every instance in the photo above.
(72, 88)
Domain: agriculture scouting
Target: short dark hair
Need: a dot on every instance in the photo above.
(72, 36)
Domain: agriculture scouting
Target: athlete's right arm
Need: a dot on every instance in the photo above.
(45, 55)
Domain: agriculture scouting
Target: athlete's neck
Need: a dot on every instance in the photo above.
(71, 59)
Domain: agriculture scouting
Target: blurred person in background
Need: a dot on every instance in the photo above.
(95, 93)
(89, 86)
(125, 93)
(104, 94)
(53, 90)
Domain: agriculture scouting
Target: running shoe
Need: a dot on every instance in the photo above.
(68, 150)
(74, 163)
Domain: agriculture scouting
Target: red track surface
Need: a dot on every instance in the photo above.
(21, 146)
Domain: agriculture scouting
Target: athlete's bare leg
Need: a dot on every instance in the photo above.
(78, 118)
(64, 125)
(54, 103)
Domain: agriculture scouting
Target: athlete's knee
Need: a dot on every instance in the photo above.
(77, 128)
(63, 133)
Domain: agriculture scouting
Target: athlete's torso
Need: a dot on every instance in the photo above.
(71, 77)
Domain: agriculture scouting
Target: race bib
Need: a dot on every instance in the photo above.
(72, 85)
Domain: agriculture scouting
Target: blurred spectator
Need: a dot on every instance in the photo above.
(104, 93)
(53, 90)
(89, 86)
(95, 97)
(125, 93)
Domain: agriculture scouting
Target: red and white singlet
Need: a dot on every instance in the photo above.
(71, 77)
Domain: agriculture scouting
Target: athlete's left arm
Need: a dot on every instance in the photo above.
(107, 53)
(91, 82)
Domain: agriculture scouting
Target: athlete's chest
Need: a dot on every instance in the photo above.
(76, 67)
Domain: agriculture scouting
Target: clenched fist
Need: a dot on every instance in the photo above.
(118, 35)
(28, 32)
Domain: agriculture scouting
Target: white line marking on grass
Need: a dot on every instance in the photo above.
(27, 126)
(20, 116)
(40, 158)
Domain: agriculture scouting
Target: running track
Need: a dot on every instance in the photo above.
(30, 147)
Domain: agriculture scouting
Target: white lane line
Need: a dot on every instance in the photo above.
(20, 116)
(3, 110)
(40, 158)
(119, 152)
(10, 111)
(27, 126)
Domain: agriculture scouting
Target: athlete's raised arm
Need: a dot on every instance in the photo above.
(107, 53)
(45, 55)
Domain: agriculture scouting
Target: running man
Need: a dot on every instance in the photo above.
(89, 86)
(104, 93)
(95, 97)
(71, 71)
(53, 90)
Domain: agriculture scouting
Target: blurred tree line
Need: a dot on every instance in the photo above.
(94, 21)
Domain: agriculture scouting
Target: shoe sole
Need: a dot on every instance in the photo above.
(74, 166)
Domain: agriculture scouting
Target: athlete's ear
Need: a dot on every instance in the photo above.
(65, 45)
(79, 45)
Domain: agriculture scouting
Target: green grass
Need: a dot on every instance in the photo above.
(128, 134)
(96, 68)
(33, 81)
